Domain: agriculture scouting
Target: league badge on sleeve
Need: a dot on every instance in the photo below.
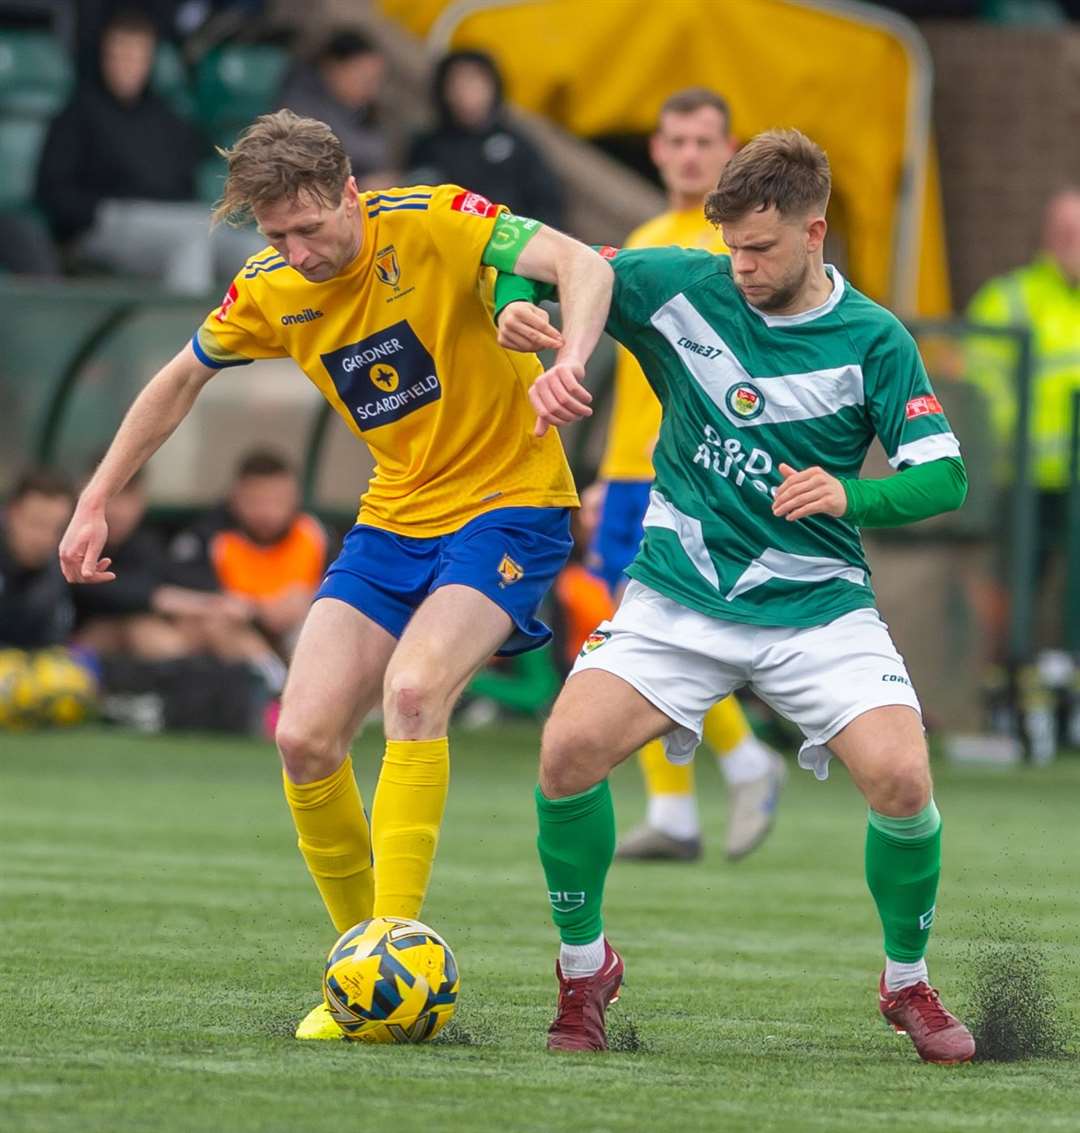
(474, 204)
(227, 300)
(921, 406)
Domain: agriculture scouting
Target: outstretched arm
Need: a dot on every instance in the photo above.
(153, 416)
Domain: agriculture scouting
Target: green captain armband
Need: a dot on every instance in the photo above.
(508, 238)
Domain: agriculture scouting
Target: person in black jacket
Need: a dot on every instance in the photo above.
(475, 146)
(116, 178)
(35, 602)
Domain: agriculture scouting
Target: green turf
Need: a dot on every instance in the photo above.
(159, 937)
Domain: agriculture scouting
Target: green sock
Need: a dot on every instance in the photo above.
(903, 864)
(576, 844)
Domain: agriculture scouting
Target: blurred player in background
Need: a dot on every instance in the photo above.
(690, 148)
(383, 300)
(774, 375)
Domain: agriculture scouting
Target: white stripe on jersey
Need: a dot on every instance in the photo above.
(772, 563)
(937, 446)
(661, 513)
(788, 397)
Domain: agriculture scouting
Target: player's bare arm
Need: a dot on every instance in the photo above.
(152, 418)
(584, 281)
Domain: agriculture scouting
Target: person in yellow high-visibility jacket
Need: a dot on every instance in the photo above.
(1043, 296)
(691, 146)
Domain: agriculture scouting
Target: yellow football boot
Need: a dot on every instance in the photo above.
(318, 1023)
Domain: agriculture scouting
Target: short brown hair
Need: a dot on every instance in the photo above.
(262, 462)
(280, 157)
(694, 98)
(780, 167)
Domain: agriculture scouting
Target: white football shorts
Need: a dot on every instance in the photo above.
(818, 677)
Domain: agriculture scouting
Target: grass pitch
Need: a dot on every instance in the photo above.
(159, 938)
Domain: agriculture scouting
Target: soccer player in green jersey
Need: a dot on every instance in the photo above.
(774, 375)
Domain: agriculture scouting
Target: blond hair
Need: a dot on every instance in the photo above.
(281, 157)
(780, 167)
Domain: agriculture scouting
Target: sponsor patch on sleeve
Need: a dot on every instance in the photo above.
(920, 406)
(227, 301)
(608, 251)
(474, 204)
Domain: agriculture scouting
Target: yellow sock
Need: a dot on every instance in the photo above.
(335, 843)
(725, 726)
(662, 777)
(405, 820)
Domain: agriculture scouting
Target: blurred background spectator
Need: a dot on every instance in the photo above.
(260, 549)
(35, 602)
(473, 144)
(340, 85)
(116, 178)
(1044, 298)
(142, 613)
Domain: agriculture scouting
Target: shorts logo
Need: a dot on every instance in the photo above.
(921, 406)
(564, 901)
(745, 400)
(474, 205)
(509, 571)
(384, 377)
(227, 300)
(895, 679)
(387, 268)
(594, 641)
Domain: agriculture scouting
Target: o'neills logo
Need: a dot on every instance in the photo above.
(745, 401)
(307, 315)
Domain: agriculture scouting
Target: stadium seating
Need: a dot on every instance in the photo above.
(234, 84)
(35, 80)
(35, 74)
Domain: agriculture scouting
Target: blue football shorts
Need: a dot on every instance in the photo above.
(511, 555)
(619, 534)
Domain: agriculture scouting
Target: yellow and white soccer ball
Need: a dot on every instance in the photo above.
(44, 688)
(391, 980)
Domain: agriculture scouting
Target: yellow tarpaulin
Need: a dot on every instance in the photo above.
(606, 67)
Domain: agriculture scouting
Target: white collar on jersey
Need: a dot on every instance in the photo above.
(814, 312)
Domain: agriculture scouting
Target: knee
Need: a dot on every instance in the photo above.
(306, 754)
(412, 697)
(904, 788)
(570, 760)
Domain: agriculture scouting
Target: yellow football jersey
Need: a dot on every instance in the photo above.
(402, 344)
(635, 412)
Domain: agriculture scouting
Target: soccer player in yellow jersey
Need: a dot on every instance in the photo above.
(383, 301)
(691, 146)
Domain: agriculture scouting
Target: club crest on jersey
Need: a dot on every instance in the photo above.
(387, 268)
(594, 641)
(745, 400)
(509, 571)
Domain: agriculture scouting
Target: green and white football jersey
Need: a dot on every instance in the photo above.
(743, 391)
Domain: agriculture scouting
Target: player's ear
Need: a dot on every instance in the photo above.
(350, 194)
(815, 233)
